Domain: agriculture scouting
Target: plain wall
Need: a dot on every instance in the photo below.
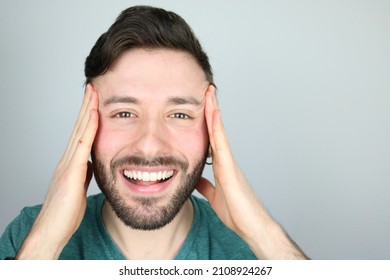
(304, 88)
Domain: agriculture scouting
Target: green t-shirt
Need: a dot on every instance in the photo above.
(208, 238)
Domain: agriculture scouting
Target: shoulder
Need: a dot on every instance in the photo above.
(94, 202)
(26, 217)
(208, 219)
(15, 233)
(28, 214)
(220, 241)
(90, 241)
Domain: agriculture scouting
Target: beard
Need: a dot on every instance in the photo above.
(146, 213)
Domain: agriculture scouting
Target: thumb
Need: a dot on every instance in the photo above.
(206, 188)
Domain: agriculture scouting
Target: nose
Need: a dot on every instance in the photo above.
(151, 139)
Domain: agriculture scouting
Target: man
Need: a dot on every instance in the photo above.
(149, 120)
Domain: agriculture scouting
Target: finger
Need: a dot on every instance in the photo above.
(221, 153)
(209, 110)
(214, 99)
(87, 97)
(216, 130)
(86, 100)
(83, 109)
(83, 149)
(224, 165)
(84, 122)
(221, 143)
(206, 189)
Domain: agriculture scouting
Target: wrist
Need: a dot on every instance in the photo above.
(260, 239)
(40, 244)
(272, 242)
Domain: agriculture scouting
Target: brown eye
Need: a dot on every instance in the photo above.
(124, 115)
(180, 116)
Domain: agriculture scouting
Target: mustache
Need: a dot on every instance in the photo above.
(152, 162)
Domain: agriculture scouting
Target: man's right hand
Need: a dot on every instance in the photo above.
(65, 201)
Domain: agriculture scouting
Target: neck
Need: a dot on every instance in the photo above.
(163, 243)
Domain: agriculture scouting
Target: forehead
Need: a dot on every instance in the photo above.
(155, 73)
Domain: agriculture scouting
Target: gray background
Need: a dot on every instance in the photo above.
(304, 89)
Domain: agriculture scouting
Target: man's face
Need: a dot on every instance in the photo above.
(151, 145)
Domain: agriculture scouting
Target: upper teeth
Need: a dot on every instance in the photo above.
(148, 176)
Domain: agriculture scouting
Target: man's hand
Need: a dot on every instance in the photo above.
(65, 202)
(234, 200)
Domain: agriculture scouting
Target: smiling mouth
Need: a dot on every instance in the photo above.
(143, 177)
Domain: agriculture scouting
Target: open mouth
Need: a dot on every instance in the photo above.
(143, 177)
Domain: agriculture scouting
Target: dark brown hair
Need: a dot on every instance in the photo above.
(144, 27)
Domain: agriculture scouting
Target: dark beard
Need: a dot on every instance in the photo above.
(146, 215)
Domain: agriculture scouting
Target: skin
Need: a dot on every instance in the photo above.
(152, 78)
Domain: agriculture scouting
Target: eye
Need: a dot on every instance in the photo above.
(180, 116)
(124, 115)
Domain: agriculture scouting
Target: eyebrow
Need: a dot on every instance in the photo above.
(184, 100)
(120, 99)
(172, 100)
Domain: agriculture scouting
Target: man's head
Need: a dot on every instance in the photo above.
(149, 153)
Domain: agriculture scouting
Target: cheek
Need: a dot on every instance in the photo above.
(192, 142)
(108, 141)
